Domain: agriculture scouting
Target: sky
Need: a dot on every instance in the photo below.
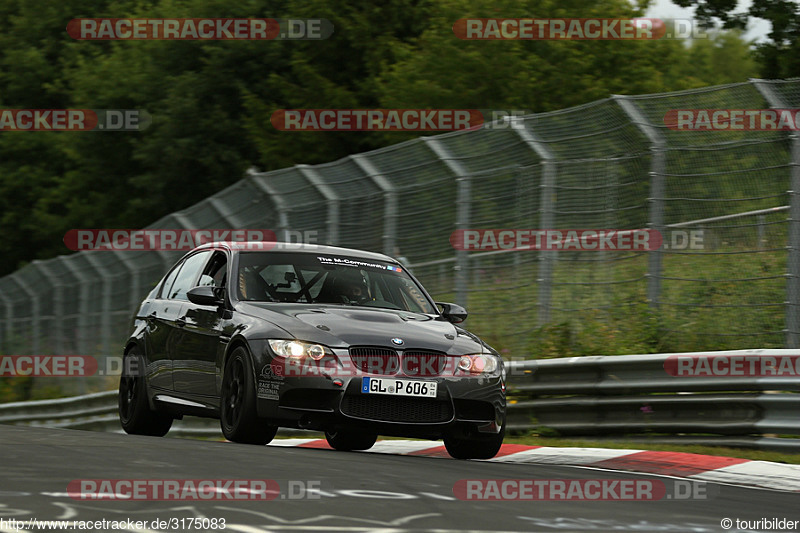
(757, 29)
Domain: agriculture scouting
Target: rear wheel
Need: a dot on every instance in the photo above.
(135, 414)
(238, 417)
(478, 447)
(346, 441)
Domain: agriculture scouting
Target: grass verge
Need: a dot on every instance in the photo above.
(743, 453)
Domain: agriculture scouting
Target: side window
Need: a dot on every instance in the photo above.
(215, 273)
(167, 285)
(188, 275)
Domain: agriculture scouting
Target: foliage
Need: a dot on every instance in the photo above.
(211, 101)
(778, 56)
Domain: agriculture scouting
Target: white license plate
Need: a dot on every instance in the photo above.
(399, 387)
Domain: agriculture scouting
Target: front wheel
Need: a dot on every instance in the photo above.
(135, 415)
(350, 441)
(479, 447)
(238, 417)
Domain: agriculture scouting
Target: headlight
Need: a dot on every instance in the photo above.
(478, 364)
(298, 349)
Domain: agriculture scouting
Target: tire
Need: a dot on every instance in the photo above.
(350, 441)
(481, 447)
(238, 416)
(135, 415)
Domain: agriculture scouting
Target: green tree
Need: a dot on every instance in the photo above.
(536, 75)
(211, 101)
(779, 56)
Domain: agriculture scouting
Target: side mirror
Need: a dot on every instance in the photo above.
(204, 295)
(453, 313)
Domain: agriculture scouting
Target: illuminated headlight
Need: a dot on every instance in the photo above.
(298, 349)
(478, 363)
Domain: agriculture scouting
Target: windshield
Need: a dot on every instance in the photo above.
(328, 279)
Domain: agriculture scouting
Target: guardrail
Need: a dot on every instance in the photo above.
(633, 398)
(98, 412)
(623, 397)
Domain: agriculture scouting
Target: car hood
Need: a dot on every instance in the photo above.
(339, 326)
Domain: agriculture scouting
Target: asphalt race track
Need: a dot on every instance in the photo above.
(358, 491)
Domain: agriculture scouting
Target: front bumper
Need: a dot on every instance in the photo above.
(463, 405)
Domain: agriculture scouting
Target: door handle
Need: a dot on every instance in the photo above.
(181, 321)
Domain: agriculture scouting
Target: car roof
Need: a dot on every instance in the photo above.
(277, 247)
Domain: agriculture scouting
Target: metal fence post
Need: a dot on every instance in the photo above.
(8, 327)
(59, 304)
(547, 258)
(547, 201)
(83, 305)
(281, 206)
(331, 198)
(184, 220)
(225, 213)
(222, 210)
(390, 199)
(167, 258)
(105, 317)
(658, 147)
(35, 311)
(463, 208)
(793, 245)
(134, 287)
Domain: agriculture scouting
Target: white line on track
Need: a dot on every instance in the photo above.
(241, 528)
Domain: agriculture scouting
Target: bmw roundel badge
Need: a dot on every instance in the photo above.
(397, 341)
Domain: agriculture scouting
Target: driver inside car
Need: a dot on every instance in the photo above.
(352, 289)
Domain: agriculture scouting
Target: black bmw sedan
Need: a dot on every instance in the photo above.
(269, 335)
